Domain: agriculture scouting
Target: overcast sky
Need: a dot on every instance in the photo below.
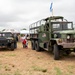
(18, 14)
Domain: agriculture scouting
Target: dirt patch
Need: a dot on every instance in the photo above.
(29, 62)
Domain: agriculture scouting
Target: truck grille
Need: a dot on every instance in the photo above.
(70, 40)
(3, 42)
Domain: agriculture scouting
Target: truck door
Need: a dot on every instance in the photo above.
(43, 35)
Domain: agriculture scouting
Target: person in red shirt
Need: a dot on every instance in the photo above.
(24, 42)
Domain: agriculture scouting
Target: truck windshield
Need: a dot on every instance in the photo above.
(5, 35)
(56, 35)
(62, 25)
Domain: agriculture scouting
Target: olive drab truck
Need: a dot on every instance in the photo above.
(54, 34)
(7, 40)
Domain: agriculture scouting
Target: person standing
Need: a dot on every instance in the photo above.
(16, 40)
(24, 41)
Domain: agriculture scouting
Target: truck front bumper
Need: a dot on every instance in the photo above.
(68, 45)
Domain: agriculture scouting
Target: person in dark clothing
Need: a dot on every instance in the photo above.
(16, 39)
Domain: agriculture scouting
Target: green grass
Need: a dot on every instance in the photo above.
(37, 68)
(11, 55)
(7, 68)
(17, 73)
(0, 66)
(39, 57)
(5, 74)
(71, 66)
(70, 69)
(58, 71)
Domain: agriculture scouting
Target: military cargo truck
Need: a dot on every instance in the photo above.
(7, 40)
(54, 34)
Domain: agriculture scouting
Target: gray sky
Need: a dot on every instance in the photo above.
(20, 14)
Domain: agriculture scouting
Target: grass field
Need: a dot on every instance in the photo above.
(24, 61)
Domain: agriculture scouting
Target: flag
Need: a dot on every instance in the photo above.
(51, 8)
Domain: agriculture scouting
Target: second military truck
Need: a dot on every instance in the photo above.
(8, 40)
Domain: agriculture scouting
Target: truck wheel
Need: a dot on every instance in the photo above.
(56, 52)
(33, 45)
(12, 46)
(68, 52)
(37, 48)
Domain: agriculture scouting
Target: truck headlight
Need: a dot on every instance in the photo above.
(9, 41)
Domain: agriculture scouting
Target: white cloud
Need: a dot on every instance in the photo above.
(20, 14)
(6, 7)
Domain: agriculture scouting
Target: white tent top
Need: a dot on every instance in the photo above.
(11, 30)
(24, 32)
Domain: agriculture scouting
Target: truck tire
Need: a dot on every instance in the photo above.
(33, 45)
(37, 48)
(12, 46)
(56, 52)
(68, 52)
